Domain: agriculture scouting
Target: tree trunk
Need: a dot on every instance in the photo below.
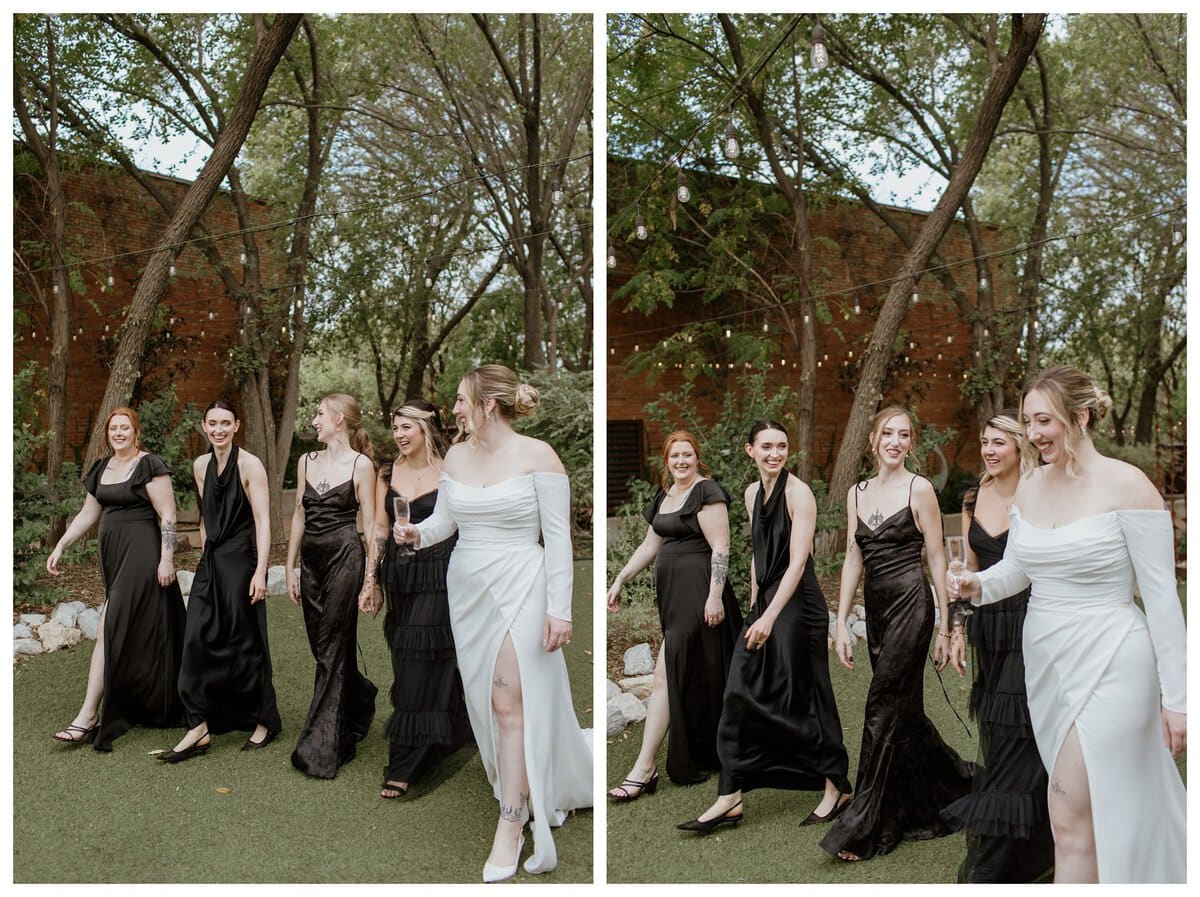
(1003, 80)
(131, 344)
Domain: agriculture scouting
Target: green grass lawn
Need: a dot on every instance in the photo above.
(229, 816)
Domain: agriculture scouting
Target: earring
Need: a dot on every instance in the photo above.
(487, 417)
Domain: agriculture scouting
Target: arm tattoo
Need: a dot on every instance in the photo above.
(168, 535)
(720, 568)
(380, 548)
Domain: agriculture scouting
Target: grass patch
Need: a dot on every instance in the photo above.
(229, 816)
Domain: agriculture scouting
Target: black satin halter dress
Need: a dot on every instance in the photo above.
(225, 679)
(906, 773)
(331, 576)
(780, 726)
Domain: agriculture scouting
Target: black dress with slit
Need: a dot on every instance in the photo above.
(906, 773)
(696, 655)
(1005, 816)
(780, 726)
(225, 679)
(143, 621)
(429, 715)
(331, 577)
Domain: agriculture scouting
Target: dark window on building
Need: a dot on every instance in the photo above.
(626, 459)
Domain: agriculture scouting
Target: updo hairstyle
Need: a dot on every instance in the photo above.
(1067, 391)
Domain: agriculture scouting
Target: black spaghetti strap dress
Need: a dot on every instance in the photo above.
(331, 576)
(780, 726)
(696, 655)
(143, 621)
(429, 715)
(906, 773)
(225, 679)
(1005, 815)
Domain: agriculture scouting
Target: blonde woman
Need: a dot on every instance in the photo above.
(336, 580)
(510, 610)
(1106, 682)
(906, 773)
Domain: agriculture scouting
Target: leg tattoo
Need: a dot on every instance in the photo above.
(499, 682)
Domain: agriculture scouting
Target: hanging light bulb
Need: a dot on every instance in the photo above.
(733, 149)
(242, 256)
(1074, 253)
(55, 288)
(106, 327)
(857, 308)
(612, 350)
(983, 282)
(210, 314)
(556, 193)
(949, 338)
(915, 297)
(171, 270)
(201, 333)
(806, 318)
(111, 280)
(612, 256)
(429, 278)
(986, 333)
(765, 327)
(434, 218)
(682, 193)
(728, 333)
(639, 227)
(820, 55)
(336, 236)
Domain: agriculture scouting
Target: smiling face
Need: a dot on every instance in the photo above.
(465, 411)
(999, 451)
(683, 462)
(325, 422)
(410, 438)
(220, 425)
(769, 451)
(122, 435)
(892, 440)
(1044, 429)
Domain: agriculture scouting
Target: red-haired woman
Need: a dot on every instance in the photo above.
(135, 664)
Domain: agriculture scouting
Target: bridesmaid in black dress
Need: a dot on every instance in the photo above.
(1005, 816)
(335, 583)
(135, 664)
(429, 715)
(689, 534)
(906, 773)
(780, 725)
(225, 680)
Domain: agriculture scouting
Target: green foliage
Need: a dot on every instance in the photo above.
(172, 433)
(564, 420)
(1140, 456)
(36, 502)
(950, 498)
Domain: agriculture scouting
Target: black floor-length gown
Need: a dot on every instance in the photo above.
(780, 725)
(429, 715)
(696, 655)
(225, 680)
(906, 773)
(1005, 815)
(143, 621)
(331, 577)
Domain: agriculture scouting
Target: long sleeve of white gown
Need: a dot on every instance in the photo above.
(1003, 578)
(438, 526)
(1151, 541)
(554, 508)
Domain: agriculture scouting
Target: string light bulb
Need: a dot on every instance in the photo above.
(733, 149)
(612, 256)
(983, 282)
(556, 193)
(682, 193)
(428, 279)
(639, 227)
(434, 218)
(857, 307)
(242, 257)
(915, 296)
(336, 236)
(171, 270)
(111, 279)
(819, 58)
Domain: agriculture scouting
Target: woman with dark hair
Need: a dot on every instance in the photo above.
(906, 772)
(1106, 682)
(1005, 815)
(429, 718)
(509, 586)
(135, 664)
(225, 678)
(780, 726)
(336, 581)
(687, 538)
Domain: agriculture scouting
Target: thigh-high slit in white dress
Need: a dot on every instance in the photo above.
(502, 582)
(1095, 661)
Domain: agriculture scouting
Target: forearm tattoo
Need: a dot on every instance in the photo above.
(380, 548)
(720, 568)
(168, 536)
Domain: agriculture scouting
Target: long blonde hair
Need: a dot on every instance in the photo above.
(1007, 424)
(881, 418)
(1067, 391)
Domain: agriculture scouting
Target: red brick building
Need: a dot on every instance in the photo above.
(111, 223)
(855, 254)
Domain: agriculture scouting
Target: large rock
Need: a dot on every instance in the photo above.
(612, 689)
(22, 630)
(639, 660)
(859, 628)
(623, 710)
(27, 646)
(638, 686)
(67, 612)
(185, 578)
(277, 580)
(89, 623)
(859, 611)
(54, 636)
(32, 619)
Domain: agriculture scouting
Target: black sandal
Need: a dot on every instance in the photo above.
(84, 734)
(399, 790)
(650, 786)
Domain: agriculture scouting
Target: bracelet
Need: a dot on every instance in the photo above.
(943, 635)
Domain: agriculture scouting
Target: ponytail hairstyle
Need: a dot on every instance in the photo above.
(347, 407)
(766, 425)
(680, 436)
(877, 424)
(1067, 391)
(133, 419)
(223, 405)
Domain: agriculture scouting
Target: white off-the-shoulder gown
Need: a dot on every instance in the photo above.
(1094, 661)
(501, 581)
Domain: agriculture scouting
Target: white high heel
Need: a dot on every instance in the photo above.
(493, 873)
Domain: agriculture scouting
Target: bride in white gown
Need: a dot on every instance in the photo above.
(1083, 527)
(510, 610)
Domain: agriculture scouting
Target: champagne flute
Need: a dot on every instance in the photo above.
(400, 511)
(956, 565)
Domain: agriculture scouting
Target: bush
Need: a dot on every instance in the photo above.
(564, 420)
(173, 435)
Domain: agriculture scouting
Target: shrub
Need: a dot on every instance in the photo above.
(172, 433)
(564, 420)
